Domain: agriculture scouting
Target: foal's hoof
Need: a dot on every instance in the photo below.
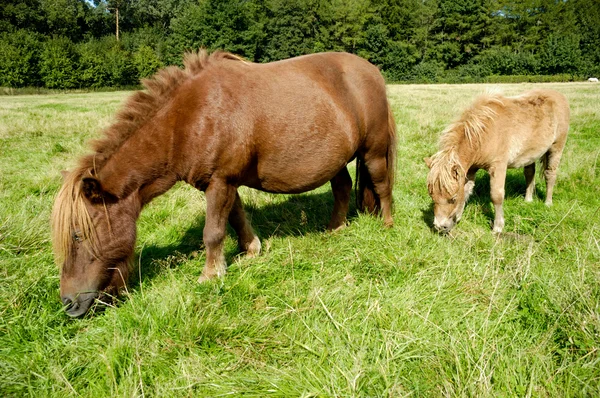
(253, 248)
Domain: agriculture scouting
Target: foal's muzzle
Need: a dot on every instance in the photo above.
(444, 226)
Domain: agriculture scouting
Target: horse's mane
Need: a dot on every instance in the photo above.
(441, 176)
(69, 207)
(471, 125)
(472, 122)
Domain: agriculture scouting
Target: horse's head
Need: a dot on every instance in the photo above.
(446, 185)
(93, 234)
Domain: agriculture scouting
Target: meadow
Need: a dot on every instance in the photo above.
(364, 311)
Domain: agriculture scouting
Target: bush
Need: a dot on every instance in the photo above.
(19, 58)
(58, 64)
(105, 63)
(92, 68)
(505, 61)
(561, 54)
(146, 61)
(428, 72)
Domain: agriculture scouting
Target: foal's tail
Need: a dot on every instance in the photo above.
(366, 198)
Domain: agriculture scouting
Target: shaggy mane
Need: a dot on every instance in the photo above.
(473, 122)
(440, 177)
(69, 207)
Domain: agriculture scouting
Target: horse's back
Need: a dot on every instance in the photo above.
(538, 119)
(290, 125)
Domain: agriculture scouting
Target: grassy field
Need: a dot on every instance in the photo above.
(364, 311)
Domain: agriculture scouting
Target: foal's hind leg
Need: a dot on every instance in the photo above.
(529, 172)
(552, 161)
(247, 240)
(220, 199)
(341, 186)
(378, 170)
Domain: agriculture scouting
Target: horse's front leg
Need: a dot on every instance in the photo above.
(247, 240)
(497, 180)
(341, 186)
(220, 199)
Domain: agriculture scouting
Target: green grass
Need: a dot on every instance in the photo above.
(364, 311)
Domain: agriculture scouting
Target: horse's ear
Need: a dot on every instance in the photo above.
(427, 162)
(92, 189)
(64, 174)
(456, 171)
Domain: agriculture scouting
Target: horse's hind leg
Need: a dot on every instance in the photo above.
(378, 170)
(551, 162)
(247, 240)
(529, 172)
(220, 199)
(341, 186)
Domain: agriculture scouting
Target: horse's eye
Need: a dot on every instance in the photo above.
(76, 236)
(452, 201)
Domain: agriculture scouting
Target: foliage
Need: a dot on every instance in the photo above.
(407, 39)
(58, 63)
(19, 58)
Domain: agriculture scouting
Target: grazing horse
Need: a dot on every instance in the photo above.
(219, 123)
(494, 134)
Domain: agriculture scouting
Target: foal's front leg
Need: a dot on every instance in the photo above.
(497, 180)
(220, 198)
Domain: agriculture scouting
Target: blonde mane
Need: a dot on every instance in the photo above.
(69, 207)
(473, 122)
(440, 176)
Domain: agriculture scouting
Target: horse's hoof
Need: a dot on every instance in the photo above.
(254, 247)
(334, 228)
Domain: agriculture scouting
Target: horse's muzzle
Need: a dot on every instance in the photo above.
(77, 306)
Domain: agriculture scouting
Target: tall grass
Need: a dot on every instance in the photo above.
(364, 311)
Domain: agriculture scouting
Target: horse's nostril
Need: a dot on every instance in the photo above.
(67, 302)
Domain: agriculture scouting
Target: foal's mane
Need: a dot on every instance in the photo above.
(69, 207)
(441, 177)
(471, 125)
(473, 122)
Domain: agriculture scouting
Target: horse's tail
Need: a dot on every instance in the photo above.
(366, 198)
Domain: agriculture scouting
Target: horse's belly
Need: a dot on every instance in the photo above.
(292, 181)
(524, 152)
(293, 176)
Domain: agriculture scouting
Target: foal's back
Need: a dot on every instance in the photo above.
(526, 126)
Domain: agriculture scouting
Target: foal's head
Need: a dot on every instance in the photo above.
(446, 185)
(93, 234)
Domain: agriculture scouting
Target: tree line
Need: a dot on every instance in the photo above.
(73, 43)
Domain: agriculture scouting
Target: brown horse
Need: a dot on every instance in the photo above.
(219, 123)
(494, 134)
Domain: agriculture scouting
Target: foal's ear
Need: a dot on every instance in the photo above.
(427, 162)
(92, 189)
(456, 171)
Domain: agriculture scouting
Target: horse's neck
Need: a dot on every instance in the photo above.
(466, 154)
(141, 164)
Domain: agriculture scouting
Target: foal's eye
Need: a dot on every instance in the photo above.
(452, 201)
(76, 236)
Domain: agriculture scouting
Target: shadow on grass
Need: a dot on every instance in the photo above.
(296, 215)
